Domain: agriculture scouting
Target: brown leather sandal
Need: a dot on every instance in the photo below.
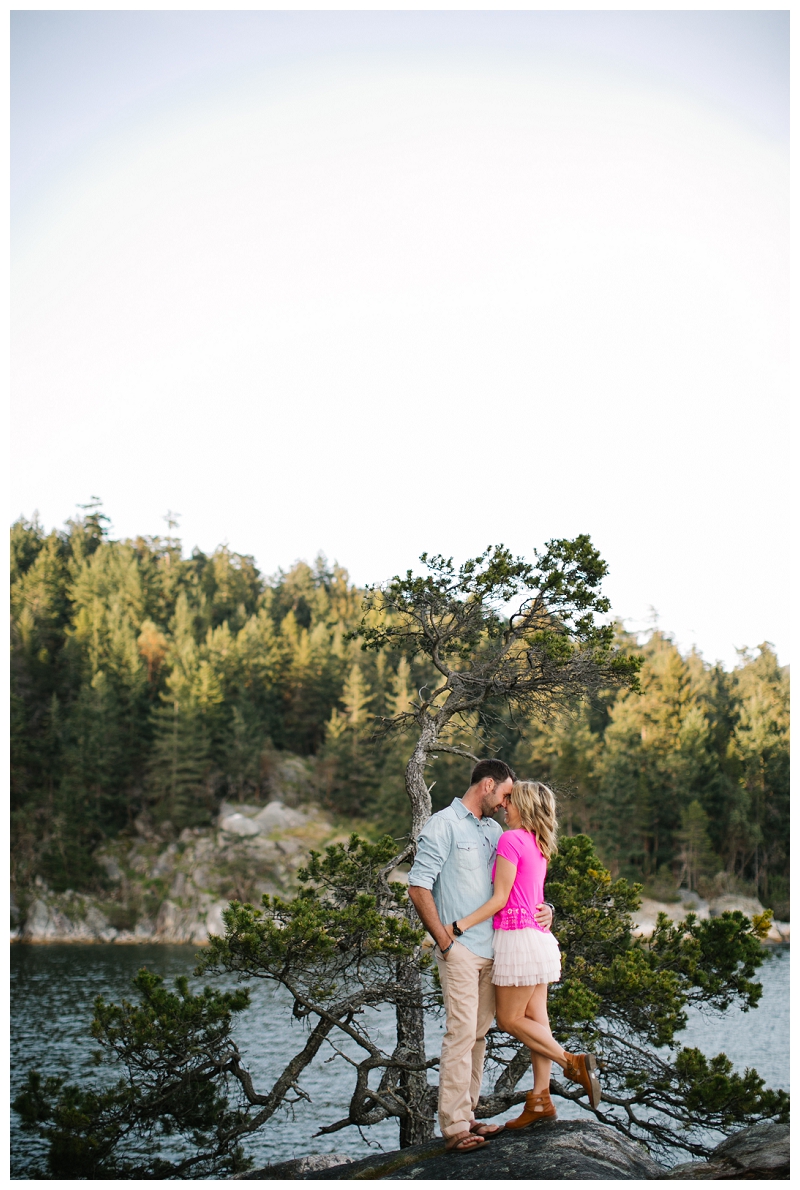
(464, 1142)
(537, 1107)
(582, 1068)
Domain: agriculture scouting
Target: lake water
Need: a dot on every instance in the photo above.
(53, 988)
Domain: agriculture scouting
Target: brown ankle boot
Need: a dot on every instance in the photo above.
(582, 1068)
(537, 1107)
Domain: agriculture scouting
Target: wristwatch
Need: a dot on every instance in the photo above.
(456, 930)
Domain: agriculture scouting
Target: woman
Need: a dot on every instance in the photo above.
(526, 956)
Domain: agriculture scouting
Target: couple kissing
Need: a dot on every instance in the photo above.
(479, 892)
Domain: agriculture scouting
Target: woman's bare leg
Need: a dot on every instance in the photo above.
(536, 1009)
(512, 1004)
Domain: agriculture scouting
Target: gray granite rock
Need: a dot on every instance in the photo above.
(37, 926)
(165, 864)
(780, 933)
(167, 920)
(199, 873)
(757, 1153)
(294, 1170)
(214, 922)
(289, 846)
(96, 922)
(237, 824)
(645, 917)
(749, 906)
(559, 1150)
(276, 816)
(112, 868)
(47, 922)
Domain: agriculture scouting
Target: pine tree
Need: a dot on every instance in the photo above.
(761, 747)
(246, 746)
(696, 856)
(178, 770)
(565, 754)
(655, 760)
(349, 757)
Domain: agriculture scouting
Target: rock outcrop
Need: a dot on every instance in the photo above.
(757, 1153)
(74, 920)
(174, 890)
(646, 915)
(561, 1150)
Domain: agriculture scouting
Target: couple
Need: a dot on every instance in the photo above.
(511, 965)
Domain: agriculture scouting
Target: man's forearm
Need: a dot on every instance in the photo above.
(423, 902)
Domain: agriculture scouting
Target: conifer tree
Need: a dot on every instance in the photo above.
(349, 757)
(179, 765)
(696, 856)
(761, 747)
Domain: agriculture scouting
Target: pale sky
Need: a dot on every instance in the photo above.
(378, 283)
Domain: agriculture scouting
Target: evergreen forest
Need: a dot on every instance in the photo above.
(146, 680)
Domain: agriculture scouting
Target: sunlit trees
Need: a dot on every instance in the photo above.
(143, 678)
(107, 636)
(179, 765)
(565, 752)
(759, 839)
(349, 767)
(655, 761)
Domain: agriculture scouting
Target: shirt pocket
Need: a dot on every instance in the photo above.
(468, 856)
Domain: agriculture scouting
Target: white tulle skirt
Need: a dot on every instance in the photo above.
(525, 957)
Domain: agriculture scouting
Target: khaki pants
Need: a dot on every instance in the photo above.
(469, 1004)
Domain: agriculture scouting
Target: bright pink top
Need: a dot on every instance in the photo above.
(521, 849)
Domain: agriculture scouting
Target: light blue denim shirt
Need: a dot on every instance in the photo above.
(454, 861)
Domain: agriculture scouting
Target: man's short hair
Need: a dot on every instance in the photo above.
(498, 770)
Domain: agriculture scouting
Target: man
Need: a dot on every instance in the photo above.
(450, 878)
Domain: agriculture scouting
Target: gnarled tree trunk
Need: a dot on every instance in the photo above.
(417, 1126)
(416, 785)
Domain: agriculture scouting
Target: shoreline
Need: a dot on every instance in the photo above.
(168, 890)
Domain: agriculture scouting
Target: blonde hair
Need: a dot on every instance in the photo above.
(536, 805)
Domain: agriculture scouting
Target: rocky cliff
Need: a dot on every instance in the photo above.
(173, 889)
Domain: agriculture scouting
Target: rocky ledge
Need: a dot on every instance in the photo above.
(164, 887)
(563, 1149)
(560, 1150)
(758, 1153)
